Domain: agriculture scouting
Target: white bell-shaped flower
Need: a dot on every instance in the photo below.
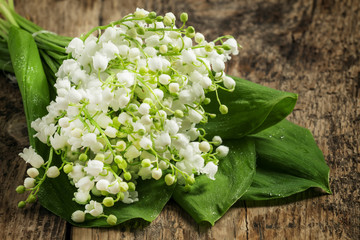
(78, 216)
(210, 170)
(94, 208)
(100, 62)
(30, 156)
(94, 167)
(85, 184)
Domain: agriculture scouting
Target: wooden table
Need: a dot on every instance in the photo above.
(302, 46)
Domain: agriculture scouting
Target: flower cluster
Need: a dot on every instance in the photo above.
(127, 107)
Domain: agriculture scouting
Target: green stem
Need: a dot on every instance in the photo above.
(88, 116)
(11, 4)
(48, 163)
(7, 13)
(156, 98)
(48, 61)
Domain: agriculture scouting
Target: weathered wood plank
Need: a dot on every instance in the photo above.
(33, 222)
(307, 47)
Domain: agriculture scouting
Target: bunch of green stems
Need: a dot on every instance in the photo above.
(51, 46)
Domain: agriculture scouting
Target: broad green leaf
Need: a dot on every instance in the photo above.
(288, 162)
(208, 200)
(252, 108)
(56, 195)
(30, 77)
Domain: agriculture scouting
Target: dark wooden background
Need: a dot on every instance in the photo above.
(310, 47)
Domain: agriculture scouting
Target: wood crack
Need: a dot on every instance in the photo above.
(101, 19)
(246, 221)
(68, 231)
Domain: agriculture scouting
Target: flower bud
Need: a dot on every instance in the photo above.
(122, 164)
(220, 50)
(199, 38)
(140, 13)
(133, 107)
(31, 199)
(132, 32)
(167, 21)
(226, 47)
(163, 49)
(206, 101)
(140, 30)
(163, 165)
(229, 83)
(146, 163)
(83, 157)
(29, 182)
(212, 115)
(169, 179)
(179, 114)
(223, 109)
(143, 70)
(204, 146)
(20, 189)
(217, 140)
(208, 47)
(120, 196)
(102, 184)
(222, 151)
(78, 216)
(164, 79)
(190, 29)
(120, 146)
(116, 122)
(127, 176)
(190, 180)
(118, 159)
(149, 20)
(32, 172)
(53, 172)
(21, 204)
(100, 157)
(111, 220)
(152, 15)
(184, 17)
(64, 122)
(123, 186)
(68, 168)
(156, 173)
(148, 101)
(131, 186)
(100, 62)
(174, 87)
(108, 202)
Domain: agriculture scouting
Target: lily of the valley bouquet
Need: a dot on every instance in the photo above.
(133, 113)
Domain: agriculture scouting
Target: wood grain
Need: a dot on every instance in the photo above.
(310, 47)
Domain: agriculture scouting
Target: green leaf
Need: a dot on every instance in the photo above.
(288, 162)
(31, 78)
(252, 108)
(56, 195)
(208, 200)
